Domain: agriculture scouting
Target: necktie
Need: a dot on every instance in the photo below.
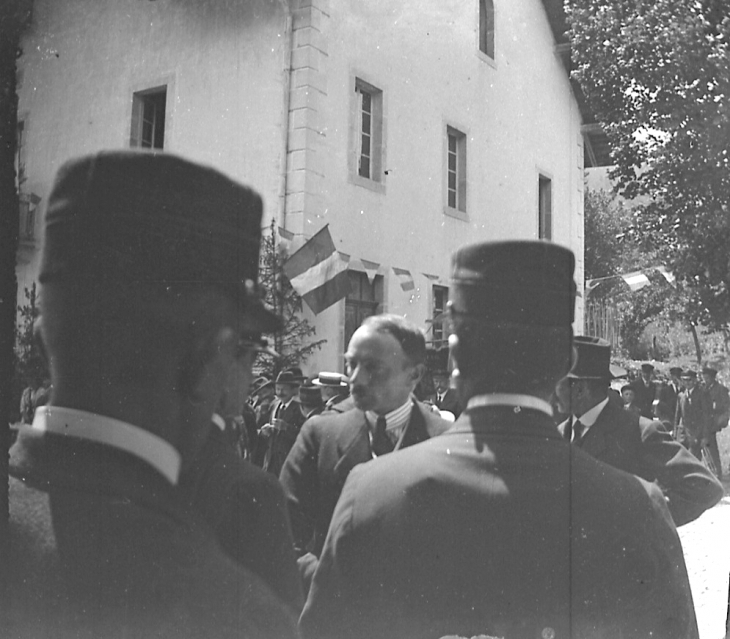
(381, 442)
(574, 431)
(578, 429)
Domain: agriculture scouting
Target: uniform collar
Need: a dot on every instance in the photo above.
(147, 446)
(516, 400)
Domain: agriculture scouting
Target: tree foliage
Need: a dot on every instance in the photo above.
(657, 77)
(294, 343)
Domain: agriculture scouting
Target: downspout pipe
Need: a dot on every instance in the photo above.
(286, 83)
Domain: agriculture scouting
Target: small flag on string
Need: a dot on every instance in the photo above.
(668, 275)
(318, 272)
(636, 280)
(431, 277)
(284, 234)
(405, 277)
(371, 269)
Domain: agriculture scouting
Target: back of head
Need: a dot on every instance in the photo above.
(139, 250)
(406, 333)
(512, 307)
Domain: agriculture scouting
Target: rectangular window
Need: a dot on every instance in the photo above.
(364, 299)
(148, 118)
(545, 208)
(455, 169)
(369, 131)
(486, 27)
(438, 325)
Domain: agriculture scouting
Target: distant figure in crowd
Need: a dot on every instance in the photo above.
(645, 389)
(385, 360)
(285, 420)
(499, 527)
(244, 505)
(148, 299)
(692, 419)
(310, 400)
(629, 399)
(335, 390)
(445, 397)
(628, 441)
(34, 396)
(669, 391)
(719, 405)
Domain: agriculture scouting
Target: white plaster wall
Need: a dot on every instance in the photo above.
(518, 112)
(223, 63)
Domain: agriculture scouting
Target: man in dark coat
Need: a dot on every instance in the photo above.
(147, 300)
(692, 419)
(445, 397)
(719, 404)
(285, 421)
(645, 389)
(385, 360)
(334, 389)
(630, 442)
(499, 527)
(670, 390)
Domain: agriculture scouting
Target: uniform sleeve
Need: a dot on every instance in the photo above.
(299, 479)
(690, 488)
(334, 609)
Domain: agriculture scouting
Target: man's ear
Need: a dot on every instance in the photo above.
(205, 370)
(419, 370)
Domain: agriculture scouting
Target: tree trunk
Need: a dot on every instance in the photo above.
(14, 14)
(698, 349)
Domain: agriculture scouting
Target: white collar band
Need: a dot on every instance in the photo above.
(160, 454)
(515, 400)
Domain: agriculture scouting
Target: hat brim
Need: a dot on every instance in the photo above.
(316, 382)
(606, 377)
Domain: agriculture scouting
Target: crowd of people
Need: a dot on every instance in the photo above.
(163, 492)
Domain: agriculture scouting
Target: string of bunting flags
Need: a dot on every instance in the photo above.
(636, 280)
(318, 271)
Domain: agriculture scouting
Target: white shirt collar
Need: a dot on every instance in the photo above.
(516, 400)
(218, 421)
(590, 416)
(160, 454)
(395, 419)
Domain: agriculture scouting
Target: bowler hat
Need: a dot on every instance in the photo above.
(592, 358)
(331, 380)
(647, 368)
(522, 282)
(310, 395)
(288, 377)
(126, 217)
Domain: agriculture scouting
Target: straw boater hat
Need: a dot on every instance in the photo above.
(331, 380)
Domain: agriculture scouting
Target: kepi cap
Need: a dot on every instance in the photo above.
(522, 282)
(125, 217)
(708, 370)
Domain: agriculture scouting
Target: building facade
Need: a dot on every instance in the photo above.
(410, 128)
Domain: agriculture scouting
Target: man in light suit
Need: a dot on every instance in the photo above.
(628, 441)
(385, 361)
(499, 527)
(148, 299)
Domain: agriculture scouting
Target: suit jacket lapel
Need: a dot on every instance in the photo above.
(415, 430)
(355, 446)
(594, 441)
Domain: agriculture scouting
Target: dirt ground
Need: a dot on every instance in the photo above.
(706, 545)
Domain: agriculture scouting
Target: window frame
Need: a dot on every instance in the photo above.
(460, 135)
(375, 180)
(439, 327)
(142, 102)
(486, 30)
(544, 206)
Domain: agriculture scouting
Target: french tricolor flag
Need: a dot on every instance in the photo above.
(318, 272)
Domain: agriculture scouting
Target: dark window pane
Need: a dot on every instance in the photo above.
(452, 162)
(366, 102)
(364, 167)
(452, 143)
(452, 199)
(365, 123)
(366, 145)
(452, 181)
